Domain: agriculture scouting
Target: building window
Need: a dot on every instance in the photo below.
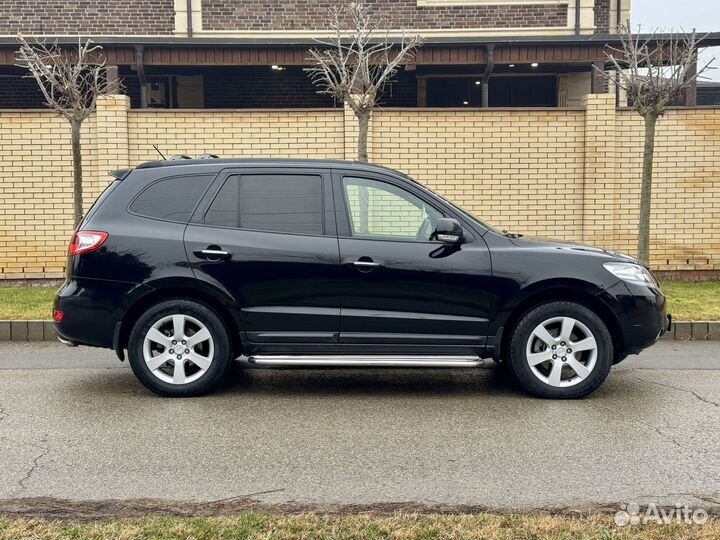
(514, 91)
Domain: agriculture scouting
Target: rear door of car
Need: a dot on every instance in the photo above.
(267, 236)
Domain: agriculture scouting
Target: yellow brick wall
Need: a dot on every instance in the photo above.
(685, 218)
(518, 169)
(36, 191)
(572, 174)
(288, 133)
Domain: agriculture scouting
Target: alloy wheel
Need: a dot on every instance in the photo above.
(178, 349)
(561, 352)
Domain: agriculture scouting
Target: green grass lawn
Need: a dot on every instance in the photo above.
(693, 301)
(360, 527)
(26, 302)
(687, 301)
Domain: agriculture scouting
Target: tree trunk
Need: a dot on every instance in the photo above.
(646, 192)
(77, 173)
(364, 123)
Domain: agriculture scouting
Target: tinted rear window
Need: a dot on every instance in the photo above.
(290, 203)
(171, 199)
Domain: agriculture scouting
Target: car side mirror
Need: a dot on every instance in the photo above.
(448, 230)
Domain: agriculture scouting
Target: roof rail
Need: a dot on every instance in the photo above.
(208, 156)
(177, 157)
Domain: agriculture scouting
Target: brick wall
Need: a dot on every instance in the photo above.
(310, 133)
(685, 217)
(87, 17)
(231, 15)
(602, 16)
(518, 169)
(571, 174)
(36, 191)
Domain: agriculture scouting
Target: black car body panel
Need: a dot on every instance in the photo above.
(304, 293)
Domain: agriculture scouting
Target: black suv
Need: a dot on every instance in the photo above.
(189, 264)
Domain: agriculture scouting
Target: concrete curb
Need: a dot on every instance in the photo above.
(27, 331)
(45, 331)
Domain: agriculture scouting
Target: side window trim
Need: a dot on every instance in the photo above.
(327, 203)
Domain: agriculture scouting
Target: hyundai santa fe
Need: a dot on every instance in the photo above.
(186, 265)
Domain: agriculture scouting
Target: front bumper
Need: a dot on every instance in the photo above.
(642, 315)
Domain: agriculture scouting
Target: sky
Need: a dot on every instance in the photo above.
(703, 15)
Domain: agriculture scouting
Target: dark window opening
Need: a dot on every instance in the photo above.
(519, 91)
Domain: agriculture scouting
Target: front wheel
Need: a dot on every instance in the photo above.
(561, 350)
(179, 348)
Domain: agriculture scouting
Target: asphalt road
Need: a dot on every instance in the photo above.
(75, 424)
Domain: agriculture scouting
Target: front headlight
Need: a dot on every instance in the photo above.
(633, 273)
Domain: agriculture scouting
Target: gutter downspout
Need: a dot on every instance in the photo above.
(490, 48)
(188, 10)
(140, 68)
(577, 17)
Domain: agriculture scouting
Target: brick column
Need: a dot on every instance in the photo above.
(599, 84)
(111, 129)
(599, 171)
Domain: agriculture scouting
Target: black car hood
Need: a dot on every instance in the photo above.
(547, 243)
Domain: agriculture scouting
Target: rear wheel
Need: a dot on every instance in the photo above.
(179, 348)
(561, 350)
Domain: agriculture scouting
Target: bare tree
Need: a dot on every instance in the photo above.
(655, 70)
(70, 81)
(355, 64)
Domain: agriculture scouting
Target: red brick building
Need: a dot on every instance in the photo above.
(250, 53)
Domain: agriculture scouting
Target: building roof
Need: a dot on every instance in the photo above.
(712, 39)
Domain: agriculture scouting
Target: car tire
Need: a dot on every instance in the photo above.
(179, 348)
(560, 350)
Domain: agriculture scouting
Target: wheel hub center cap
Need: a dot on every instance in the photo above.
(561, 351)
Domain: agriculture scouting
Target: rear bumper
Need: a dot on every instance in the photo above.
(91, 309)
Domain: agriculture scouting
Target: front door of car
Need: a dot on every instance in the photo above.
(267, 237)
(400, 288)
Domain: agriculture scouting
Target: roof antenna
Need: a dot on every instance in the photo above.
(158, 151)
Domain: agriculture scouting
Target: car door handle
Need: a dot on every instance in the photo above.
(212, 253)
(367, 264)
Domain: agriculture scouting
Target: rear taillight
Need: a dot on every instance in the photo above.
(86, 241)
(58, 315)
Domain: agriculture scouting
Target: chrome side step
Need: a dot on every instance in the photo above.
(369, 360)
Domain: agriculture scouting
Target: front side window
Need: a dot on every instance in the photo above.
(384, 211)
(171, 199)
(287, 203)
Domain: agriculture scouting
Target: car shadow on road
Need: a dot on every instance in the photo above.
(251, 381)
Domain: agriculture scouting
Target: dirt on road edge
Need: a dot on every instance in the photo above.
(63, 509)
